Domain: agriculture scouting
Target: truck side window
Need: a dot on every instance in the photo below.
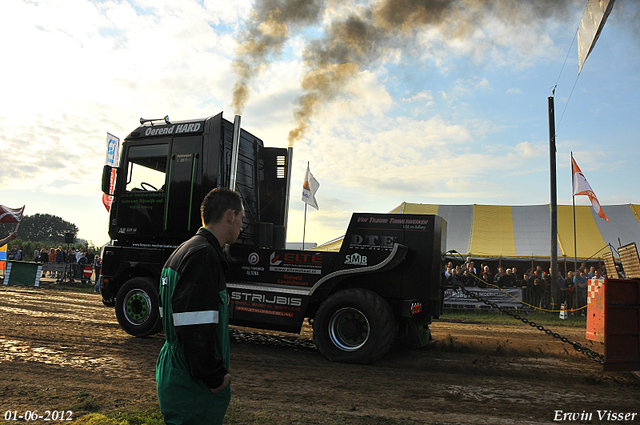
(146, 169)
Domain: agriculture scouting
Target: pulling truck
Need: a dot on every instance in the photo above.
(384, 284)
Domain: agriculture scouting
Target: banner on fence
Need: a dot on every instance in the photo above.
(23, 273)
(507, 297)
(3, 257)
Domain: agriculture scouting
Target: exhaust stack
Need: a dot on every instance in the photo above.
(235, 151)
(288, 194)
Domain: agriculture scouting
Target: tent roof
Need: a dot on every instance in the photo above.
(483, 231)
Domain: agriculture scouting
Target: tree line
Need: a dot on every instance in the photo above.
(41, 231)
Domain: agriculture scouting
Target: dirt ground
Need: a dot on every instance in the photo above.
(65, 350)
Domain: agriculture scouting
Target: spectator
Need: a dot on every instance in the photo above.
(6, 240)
(498, 277)
(448, 274)
(514, 271)
(78, 267)
(71, 259)
(581, 284)
(524, 285)
(562, 288)
(81, 263)
(597, 275)
(546, 297)
(97, 266)
(571, 290)
(508, 280)
(17, 253)
(466, 279)
(537, 291)
(485, 278)
(52, 259)
(59, 262)
(537, 274)
(454, 276)
(487, 271)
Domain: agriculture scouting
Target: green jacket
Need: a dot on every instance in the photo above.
(195, 356)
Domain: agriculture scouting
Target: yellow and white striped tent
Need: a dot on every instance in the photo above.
(519, 232)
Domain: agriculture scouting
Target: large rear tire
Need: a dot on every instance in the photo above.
(137, 307)
(354, 326)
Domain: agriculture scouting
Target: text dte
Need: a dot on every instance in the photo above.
(373, 240)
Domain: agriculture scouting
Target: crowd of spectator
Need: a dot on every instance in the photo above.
(15, 253)
(535, 283)
(76, 261)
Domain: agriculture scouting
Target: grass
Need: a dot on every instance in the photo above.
(79, 287)
(496, 317)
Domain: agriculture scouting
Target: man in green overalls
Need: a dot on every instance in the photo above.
(192, 371)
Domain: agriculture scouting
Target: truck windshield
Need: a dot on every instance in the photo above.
(147, 167)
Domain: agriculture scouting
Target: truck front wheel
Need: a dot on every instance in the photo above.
(354, 326)
(137, 307)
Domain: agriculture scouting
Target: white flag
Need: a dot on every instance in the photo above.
(113, 150)
(309, 189)
(593, 20)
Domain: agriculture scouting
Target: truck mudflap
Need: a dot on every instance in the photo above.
(417, 331)
(397, 254)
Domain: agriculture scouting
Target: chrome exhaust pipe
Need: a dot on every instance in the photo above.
(288, 193)
(235, 151)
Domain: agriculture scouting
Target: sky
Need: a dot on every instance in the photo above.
(389, 101)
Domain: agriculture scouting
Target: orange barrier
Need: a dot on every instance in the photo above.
(613, 318)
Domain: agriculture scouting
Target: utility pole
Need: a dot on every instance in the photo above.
(554, 203)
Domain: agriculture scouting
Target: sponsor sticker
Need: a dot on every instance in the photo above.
(356, 259)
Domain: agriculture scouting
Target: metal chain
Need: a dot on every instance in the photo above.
(593, 355)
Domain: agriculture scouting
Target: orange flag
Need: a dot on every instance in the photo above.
(582, 187)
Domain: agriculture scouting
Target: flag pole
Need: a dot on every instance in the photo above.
(575, 244)
(304, 227)
(573, 198)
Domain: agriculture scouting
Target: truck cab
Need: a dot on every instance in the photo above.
(165, 171)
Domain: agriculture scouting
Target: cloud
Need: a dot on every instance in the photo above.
(481, 83)
(425, 96)
(80, 69)
(392, 155)
(528, 150)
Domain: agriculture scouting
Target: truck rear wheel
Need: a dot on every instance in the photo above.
(137, 307)
(354, 326)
